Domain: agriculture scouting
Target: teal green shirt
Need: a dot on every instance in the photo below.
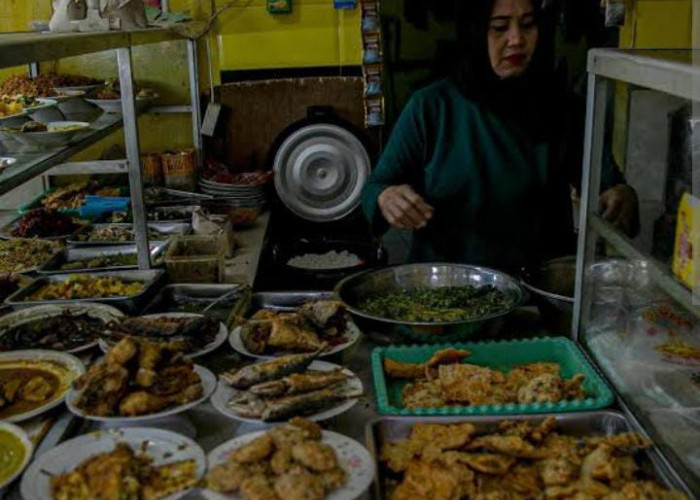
(497, 199)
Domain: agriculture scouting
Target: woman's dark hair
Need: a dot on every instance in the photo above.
(473, 73)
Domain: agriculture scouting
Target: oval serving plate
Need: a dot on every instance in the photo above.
(28, 449)
(352, 333)
(99, 311)
(208, 387)
(353, 458)
(224, 393)
(63, 365)
(163, 446)
(210, 347)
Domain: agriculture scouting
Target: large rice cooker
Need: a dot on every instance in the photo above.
(320, 166)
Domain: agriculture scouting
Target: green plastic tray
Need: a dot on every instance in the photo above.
(501, 355)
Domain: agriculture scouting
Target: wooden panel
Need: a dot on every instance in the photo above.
(257, 112)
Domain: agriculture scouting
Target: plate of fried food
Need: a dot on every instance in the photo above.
(23, 255)
(193, 334)
(138, 381)
(589, 456)
(320, 324)
(71, 328)
(544, 375)
(131, 463)
(290, 386)
(35, 381)
(296, 460)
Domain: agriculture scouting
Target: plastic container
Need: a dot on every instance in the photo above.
(196, 259)
(180, 170)
(503, 356)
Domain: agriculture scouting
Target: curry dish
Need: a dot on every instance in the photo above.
(288, 462)
(12, 454)
(123, 475)
(445, 381)
(516, 461)
(25, 389)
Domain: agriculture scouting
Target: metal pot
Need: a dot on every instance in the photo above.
(413, 276)
(552, 286)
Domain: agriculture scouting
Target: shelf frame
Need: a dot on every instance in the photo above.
(677, 76)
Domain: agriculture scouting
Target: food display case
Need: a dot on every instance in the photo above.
(635, 313)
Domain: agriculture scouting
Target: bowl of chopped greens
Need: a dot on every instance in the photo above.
(429, 302)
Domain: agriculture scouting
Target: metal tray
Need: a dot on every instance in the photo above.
(132, 304)
(171, 298)
(578, 424)
(283, 301)
(170, 228)
(53, 265)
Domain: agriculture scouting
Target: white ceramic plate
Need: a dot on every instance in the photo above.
(74, 368)
(101, 311)
(208, 387)
(42, 103)
(65, 95)
(28, 449)
(53, 137)
(210, 347)
(352, 334)
(224, 393)
(79, 88)
(164, 446)
(353, 458)
(115, 105)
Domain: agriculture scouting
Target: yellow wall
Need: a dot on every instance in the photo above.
(314, 34)
(650, 24)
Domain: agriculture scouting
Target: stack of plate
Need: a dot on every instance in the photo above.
(237, 192)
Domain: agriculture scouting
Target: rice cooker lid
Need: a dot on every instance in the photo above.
(320, 170)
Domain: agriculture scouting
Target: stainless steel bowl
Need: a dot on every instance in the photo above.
(552, 286)
(412, 276)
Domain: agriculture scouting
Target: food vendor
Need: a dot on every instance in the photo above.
(481, 165)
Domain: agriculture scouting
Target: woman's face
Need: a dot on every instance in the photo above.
(512, 37)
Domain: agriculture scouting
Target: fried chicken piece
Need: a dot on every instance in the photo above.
(404, 371)
(428, 481)
(646, 490)
(447, 356)
(258, 449)
(332, 479)
(597, 467)
(295, 431)
(150, 356)
(526, 430)
(36, 390)
(486, 463)
(328, 316)
(281, 460)
(169, 479)
(286, 336)
(546, 388)
(441, 437)
(258, 487)
(228, 476)
(423, 394)
(122, 352)
(513, 446)
(174, 379)
(628, 441)
(145, 403)
(521, 482)
(102, 389)
(315, 455)
(398, 456)
(299, 486)
(558, 471)
(264, 314)
(471, 384)
(573, 388)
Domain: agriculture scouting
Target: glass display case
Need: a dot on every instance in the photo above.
(635, 312)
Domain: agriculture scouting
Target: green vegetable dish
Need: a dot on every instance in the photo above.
(436, 305)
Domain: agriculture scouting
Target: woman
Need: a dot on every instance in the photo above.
(479, 166)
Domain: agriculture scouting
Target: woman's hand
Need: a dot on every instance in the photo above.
(403, 208)
(619, 206)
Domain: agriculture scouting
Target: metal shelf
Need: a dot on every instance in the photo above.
(668, 71)
(659, 272)
(21, 48)
(30, 165)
